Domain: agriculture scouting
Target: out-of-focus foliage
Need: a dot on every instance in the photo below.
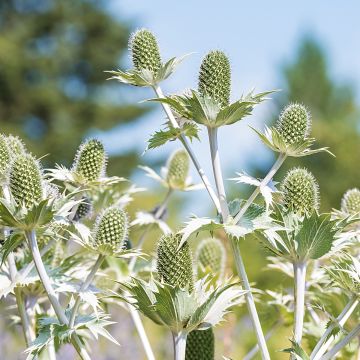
(53, 54)
(336, 120)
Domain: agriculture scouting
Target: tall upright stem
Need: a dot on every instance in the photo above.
(141, 331)
(186, 144)
(326, 340)
(84, 286)
(250, 302)
(300, 278)
(34, 249)
(216, 165)
(351, 335)
(29, 334)
(179, 345)
(264, 182)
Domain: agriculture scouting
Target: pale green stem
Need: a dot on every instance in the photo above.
(326, 339)
(299, 297)
(29, 334)
(216, 165)
(280, 160)
(179, 345)
(268, 335)
(141, 331)
(187, 146)
(250, 302)
(142, 238)
(51, 350)
(45, 280)
(341, 344)
(84, 287)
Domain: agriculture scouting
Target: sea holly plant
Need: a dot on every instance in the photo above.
(69, 240)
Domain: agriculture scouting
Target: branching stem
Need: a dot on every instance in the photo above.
(250, 302)
(84, 287)
(326, 340)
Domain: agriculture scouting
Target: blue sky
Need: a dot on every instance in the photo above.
(258, 37)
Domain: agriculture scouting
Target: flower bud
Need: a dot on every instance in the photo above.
(84, 209)
(145, 51)
(215, 77)
(25, 181)
(4, 155)
(350, 203)
(111, 229)
(200, 345)
(211, 253)
(15, 145)
(90, 160)
(300, 192)
(178, 169)
(175, 265)
(294, 123)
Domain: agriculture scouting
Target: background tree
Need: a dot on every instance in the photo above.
(53, 91)
(335, 120)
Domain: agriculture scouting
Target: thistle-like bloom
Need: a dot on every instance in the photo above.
(26, 181)
(174, 264)
(200, 345)
(215, 77)
(4, 156)
(145, 51)
(110, 231)
(15, 145)
(148, 69)
(294, 124)
(300, 192)
(291, 133)
(90, 160)
(210, 257)
(350, 203)
(178, 169)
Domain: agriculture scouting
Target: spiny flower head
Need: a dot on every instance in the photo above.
(294, 123)
(215, 77)
(25, 181)
(174, 265)
(90, 160)
(350, 203)
(200, 345)
(145, 51)
(111, 230)
(300, 192)
(178, 169)
(211, 253)
(4, 154)
(15, 145)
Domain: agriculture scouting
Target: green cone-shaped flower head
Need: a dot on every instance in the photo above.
(294, 123)
(111, 230)
(90, 160)
(300, 192)
(211, 254)
(200, 345)
(175, 265)
(178, 169)
(4, 155)
(350, 203)
(15, 145)
(145, 51)
(215, 77)
(25, 181)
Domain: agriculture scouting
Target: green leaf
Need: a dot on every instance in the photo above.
(161, 137)
(10, 244)
(316, 236)
(297, 351)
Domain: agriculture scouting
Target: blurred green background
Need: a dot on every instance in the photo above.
(54, 93)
